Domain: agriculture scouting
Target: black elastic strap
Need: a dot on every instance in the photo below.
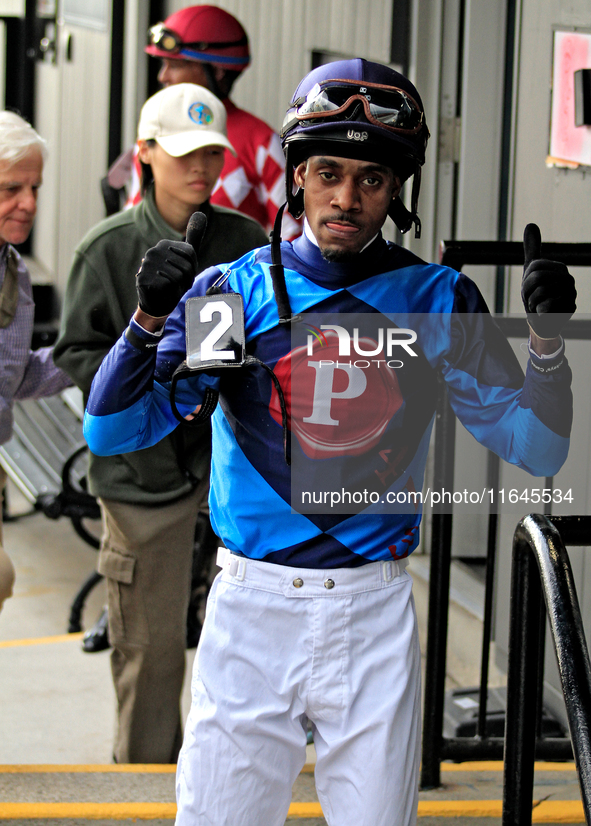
(404, 218)
(414, 200)
(251, 361)
(551, 369)
(208, 404)
(140, 343)
(400, 215)
(278, 272)
(210, 399)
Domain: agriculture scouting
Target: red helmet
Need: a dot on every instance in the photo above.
(206, 34)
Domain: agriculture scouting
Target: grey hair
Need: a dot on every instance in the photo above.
(17, 138)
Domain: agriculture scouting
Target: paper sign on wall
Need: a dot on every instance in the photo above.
(570, 145)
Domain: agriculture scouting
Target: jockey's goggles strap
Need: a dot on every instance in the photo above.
(385, 106)
(169, 41)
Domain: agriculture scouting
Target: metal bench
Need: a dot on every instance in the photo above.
(47, 460)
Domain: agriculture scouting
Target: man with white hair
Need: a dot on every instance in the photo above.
(24, 373)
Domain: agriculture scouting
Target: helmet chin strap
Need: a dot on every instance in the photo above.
(295, 200)
(402, 217)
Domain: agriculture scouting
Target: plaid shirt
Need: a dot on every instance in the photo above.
(24, 373)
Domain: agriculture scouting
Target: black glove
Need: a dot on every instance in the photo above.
(165, 275)
(168, 270)
(548, 289)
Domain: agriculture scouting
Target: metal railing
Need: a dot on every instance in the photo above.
(542, 576)
(436, 747)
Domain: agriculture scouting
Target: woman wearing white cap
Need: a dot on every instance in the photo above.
(182, 139)
(151, 499)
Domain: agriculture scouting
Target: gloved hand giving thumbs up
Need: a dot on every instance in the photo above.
(548, 289)
(168, 270)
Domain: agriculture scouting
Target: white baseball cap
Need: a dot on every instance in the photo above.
(182, 118)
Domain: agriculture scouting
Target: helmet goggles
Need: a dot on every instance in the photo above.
(384, 106)
(169, 41)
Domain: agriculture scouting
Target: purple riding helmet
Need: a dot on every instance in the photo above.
(361, 110)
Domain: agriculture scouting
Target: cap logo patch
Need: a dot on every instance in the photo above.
(200, 114)
(357, 136)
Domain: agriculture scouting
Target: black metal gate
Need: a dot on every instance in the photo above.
(436, 747)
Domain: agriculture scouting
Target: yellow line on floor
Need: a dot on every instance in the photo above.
(460, 808)
(497, 766)
(131, 768)
(41, 640)
(304, 810)
(559, 811)
(50, 768)
(150, 768)
(87, 811)
(549, 811)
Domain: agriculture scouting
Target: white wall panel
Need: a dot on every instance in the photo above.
(12, 8)
(556, 199)
(432, 77)
(45, 238)
(85, 122)
(284, 33)
(482, 105)
(73, 114)
(2, 62)
(135, 67)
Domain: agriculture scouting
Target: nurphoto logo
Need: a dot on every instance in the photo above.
(363, 346)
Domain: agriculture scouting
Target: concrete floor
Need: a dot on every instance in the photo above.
(56, 702)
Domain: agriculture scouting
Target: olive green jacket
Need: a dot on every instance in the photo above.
(100, 299)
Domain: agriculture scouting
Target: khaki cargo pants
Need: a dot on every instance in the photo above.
(146, 556)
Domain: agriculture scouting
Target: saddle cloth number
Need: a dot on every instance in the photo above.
(214, 326)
